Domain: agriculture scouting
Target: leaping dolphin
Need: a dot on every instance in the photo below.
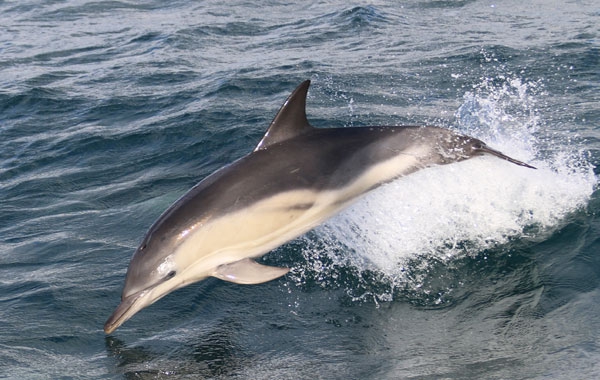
(297, 177)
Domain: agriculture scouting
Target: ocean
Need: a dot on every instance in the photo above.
(111, 110)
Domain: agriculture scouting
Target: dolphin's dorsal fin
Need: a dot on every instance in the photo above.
(290, 121)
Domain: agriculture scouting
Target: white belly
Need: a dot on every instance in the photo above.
(262, 226)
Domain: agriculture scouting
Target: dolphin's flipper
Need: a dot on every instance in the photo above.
(248, 271)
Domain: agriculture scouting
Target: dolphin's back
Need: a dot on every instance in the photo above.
(325, 159)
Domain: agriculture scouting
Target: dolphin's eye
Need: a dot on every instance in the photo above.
(170, 275)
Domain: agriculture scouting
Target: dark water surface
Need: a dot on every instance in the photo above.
(111, 110)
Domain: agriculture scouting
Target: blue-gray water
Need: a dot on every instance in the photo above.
(110, 110)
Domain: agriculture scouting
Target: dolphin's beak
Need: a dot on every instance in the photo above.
(135, 302)
(126, 309)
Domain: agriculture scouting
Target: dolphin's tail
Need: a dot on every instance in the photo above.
(485, 149)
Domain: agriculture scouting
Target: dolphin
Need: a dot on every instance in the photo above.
(297, 177)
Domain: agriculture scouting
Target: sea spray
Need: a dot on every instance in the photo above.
(396, 237)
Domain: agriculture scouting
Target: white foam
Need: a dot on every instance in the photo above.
(483, 201)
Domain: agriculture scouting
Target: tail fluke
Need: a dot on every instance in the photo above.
(488, 150)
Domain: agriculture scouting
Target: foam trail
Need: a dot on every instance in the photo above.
(435, 211)
(461, 209)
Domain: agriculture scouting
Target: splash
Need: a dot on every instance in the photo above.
(391, 238)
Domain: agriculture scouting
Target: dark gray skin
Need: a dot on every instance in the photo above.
(292, 156)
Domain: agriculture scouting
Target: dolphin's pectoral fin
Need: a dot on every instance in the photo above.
(248, 271)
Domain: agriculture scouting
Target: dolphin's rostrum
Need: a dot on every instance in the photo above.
(297, 177)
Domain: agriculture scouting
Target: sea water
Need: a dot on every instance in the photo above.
(111, 110)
